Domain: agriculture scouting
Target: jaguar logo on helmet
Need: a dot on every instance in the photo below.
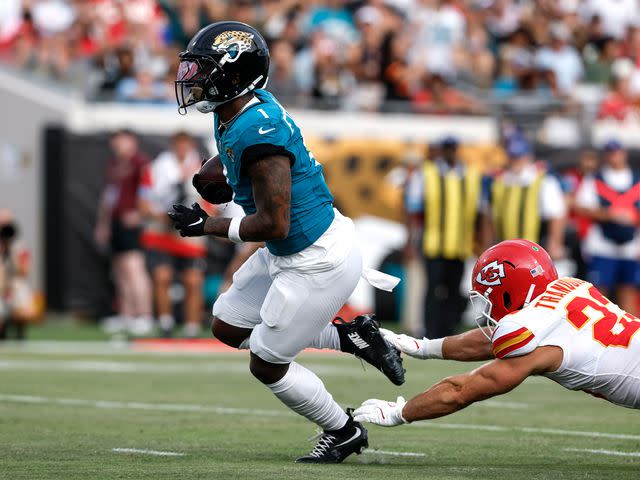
(491, 274)
(233, 43)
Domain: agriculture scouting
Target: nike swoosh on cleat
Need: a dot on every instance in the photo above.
(197, 222)
(355, 435)
(357, 340)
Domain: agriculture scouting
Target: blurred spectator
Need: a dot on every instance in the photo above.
(329, 82)
(579, 224)
(436, 96)
(588, 165)
(117, 67)
(616, 15)
(10, 20)
(527, 201)
(450, 227)
(282, 82)
(185, 18)
(165, 182)
(619, 103)
(611, 199)
(559, 61)
(440, 28)
(332, 18)
(118, 229)
(17, 301)
(506, 82)
(369, 58)
(599, 57)
(475, 60)
(503, 17)
(142, 89)
(516, 67)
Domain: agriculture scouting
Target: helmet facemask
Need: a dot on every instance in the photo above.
(198, 83)
(481, 307)
(194, 76)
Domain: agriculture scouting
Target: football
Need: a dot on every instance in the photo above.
(211, 183)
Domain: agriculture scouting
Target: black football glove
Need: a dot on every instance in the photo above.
(189, 221)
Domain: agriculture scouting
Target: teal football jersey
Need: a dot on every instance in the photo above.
(265, 128)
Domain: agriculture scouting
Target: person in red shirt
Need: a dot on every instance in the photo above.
(587, 166)
(165, 182)
(619, 102)
(578, 225)
(438, 97)
(118, 229)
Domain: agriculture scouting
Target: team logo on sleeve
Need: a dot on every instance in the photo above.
(233, 43)
(491, 275)
(230, 154)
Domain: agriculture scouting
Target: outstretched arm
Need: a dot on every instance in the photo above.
(470, 346)
(455, 393)
(271, 185)
(495, 378)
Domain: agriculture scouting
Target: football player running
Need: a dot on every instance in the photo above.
(532, 323)
(284, 297)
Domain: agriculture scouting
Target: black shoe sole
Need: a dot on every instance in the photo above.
(391, 360)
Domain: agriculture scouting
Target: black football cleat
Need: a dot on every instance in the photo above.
(362, 338)
(335, 446)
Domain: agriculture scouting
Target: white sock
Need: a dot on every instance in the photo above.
(328, 338)
(166, 321)
(191, 330)
(304, 393)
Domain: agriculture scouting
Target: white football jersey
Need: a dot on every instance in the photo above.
(599, 340)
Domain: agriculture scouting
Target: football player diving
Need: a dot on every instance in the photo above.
(532, 323)
(284, 297)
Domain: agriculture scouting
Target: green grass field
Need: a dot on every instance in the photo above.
(65, 407)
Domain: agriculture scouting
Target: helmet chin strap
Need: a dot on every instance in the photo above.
(206, 106)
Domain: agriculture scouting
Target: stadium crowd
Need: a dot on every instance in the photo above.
(435, 56)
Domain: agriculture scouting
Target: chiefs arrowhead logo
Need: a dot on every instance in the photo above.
(491, 275)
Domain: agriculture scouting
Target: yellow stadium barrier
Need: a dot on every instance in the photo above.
(357, 171)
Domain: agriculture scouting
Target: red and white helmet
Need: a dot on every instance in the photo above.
(507, 277)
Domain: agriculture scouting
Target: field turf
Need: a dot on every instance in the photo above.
(67, 410)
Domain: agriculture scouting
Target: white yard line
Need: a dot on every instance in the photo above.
(615, 453)
(162, 407)
(213, 366)
(148, 452)
(395, 454)
(555, 431)
(181, 407)
(115, 347)
(546, 431)
(549, 431)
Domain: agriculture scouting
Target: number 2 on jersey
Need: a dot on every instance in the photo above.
(609, 328)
